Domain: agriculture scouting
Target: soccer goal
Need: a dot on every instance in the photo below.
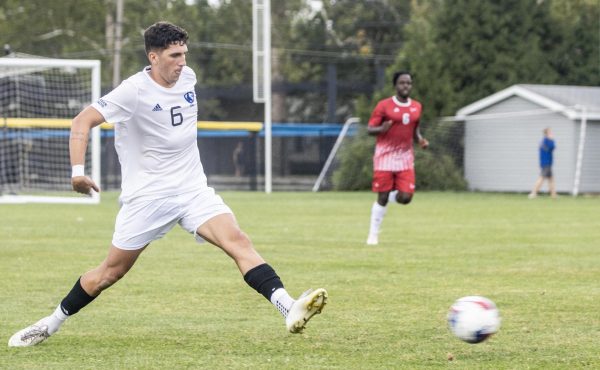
(324, 181)
(38, 99)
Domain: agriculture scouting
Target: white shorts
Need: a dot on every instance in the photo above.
(140, 222)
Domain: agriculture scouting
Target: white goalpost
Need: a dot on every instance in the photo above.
(38, 99)
(330, 159)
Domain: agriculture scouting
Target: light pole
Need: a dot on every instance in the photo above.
(117, 45)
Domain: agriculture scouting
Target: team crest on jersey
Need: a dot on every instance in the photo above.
(189, 96)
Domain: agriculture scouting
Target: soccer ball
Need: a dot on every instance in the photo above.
(473, 319)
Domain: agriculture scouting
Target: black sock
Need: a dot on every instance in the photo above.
(264, 280)
(75, 300)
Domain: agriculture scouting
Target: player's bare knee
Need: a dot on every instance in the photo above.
(382, 199)
(404, 198)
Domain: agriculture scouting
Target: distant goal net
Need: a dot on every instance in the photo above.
(38, 100)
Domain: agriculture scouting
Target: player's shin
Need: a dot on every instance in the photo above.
(393, 196)
(264, 280)
(377, 214)
(75, 300)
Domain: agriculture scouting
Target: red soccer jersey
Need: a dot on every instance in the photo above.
(394, 149)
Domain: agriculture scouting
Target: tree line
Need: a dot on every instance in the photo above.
(458, 51)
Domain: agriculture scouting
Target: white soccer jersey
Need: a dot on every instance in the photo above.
(155, 135)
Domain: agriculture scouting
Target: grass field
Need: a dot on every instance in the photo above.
(185, 305)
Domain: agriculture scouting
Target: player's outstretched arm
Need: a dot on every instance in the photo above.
(78, 141)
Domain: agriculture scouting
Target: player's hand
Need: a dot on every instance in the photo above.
(84, 185)
(385, 126)
(423, 143)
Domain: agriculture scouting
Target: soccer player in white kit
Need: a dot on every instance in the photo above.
(163, 183)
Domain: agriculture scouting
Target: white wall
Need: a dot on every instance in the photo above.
(590, 171)
(502, 154)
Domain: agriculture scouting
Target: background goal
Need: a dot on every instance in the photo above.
(38, 99)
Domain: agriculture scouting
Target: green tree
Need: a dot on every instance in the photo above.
(474, 48)
(572, 41)
(62, 29)
(357, 37)
(84, 29)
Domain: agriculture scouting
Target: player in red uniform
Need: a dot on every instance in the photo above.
(395, 122)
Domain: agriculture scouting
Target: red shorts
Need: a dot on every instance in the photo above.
(384, 181)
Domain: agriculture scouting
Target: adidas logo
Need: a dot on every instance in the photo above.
(157, 108)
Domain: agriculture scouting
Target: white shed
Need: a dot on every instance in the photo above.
(503, 132)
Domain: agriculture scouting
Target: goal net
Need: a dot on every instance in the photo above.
(38, 99)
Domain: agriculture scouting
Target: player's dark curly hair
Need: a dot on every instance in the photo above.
(398, 74)
(162, 34)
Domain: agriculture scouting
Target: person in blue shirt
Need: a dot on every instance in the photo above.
(547, 147)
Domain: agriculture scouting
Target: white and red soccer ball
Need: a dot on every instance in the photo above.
(473, 319)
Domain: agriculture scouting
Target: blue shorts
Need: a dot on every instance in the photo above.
(546, 172)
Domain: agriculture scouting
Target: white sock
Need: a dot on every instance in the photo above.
(392, 196)
(282, 301)
(377, 214)
(55, 320)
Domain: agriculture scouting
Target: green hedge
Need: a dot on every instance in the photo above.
(437, 168)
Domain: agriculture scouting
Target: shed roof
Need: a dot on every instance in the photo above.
(570, 101)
